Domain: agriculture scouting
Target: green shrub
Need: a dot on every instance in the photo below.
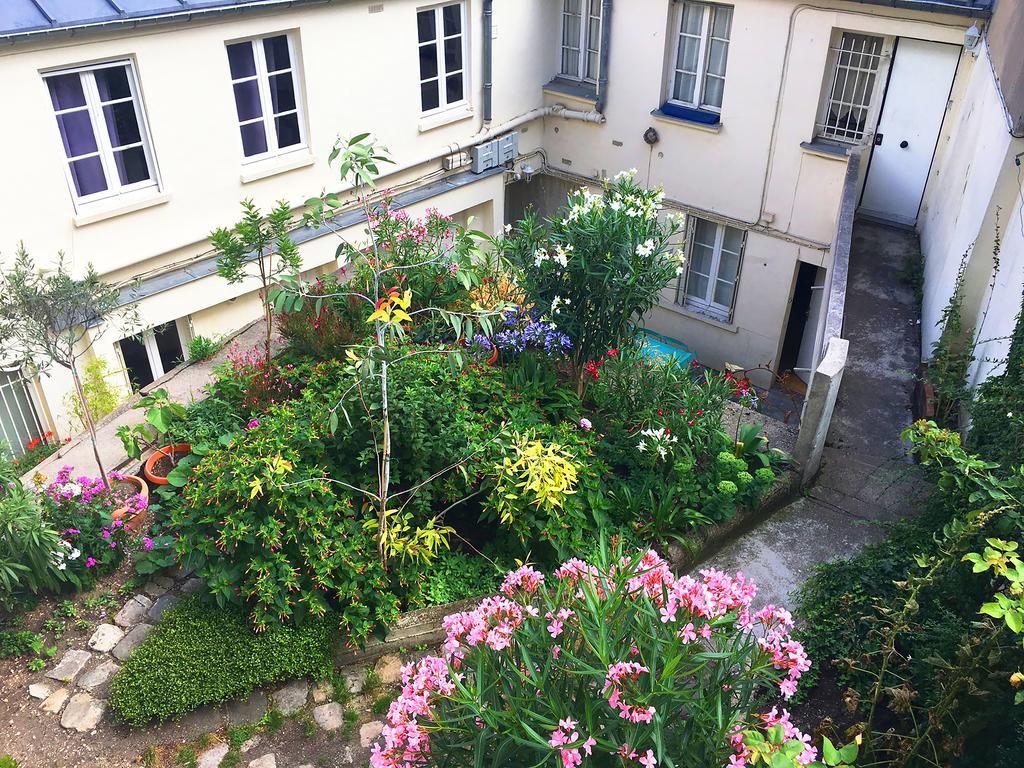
(200, 654)
(29, 546)
(598, 266)
(102, 396)
(202, 348)
(205, 421)
(18, 643)
(456, 576)
(324, 325)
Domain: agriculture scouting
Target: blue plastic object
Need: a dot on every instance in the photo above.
(655, 345)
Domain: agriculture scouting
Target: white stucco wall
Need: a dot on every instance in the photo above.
(961, 195)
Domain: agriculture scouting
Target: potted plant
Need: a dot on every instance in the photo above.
(132, 493)
(161, 413)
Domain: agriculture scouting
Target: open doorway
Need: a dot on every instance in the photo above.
(797, 358)
(152, 353)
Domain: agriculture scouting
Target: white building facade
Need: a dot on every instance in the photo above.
(140, 124)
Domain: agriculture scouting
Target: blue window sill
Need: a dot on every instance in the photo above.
(825, 149)
(573, 89)
(702, 116)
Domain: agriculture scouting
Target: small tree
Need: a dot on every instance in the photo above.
(53, 317)
(257, 240)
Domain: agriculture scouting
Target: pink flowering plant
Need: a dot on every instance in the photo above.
(618, 663)
(80, 508)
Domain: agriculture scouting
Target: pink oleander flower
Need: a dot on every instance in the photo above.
(90, 562)
(526, 580)
(147, 543)
(586, 425)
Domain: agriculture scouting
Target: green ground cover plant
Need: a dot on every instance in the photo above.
(201, 654)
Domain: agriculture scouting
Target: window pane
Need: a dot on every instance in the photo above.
(722, 22)
(717, 53)
(723, 293)
(66, 91)
(122, 123)
(282, 92)
(76, 133)
(112, 83)
(276, 50)
(571, 31)
(429, 97)
(453, 88)
(453, 54)
(572, 6)
(571, 61)
(452, 19)
(131, 165)
(254, 139)
(241, 60)
(428, 61)
(728, 266)
(689, 54)
(247, 100)
(426, 26)
(168, 345)
(705, 232)
(88, 176)
(287, 130)
(732, 240)
(713, 90)
(692, 19)
(700, 259)
(697, 286)
(136, 361)
(684, 86)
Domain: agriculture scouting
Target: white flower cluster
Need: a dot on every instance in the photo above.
(61, 556)
(645, 248)
(625, 175)
(560, 256)
(680, 257)
(558, 302)
(659, 441)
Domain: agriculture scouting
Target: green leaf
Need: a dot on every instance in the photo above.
(849, 753)
(828, 752)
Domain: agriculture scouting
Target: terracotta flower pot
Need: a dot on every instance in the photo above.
(493, 359)
(137, 522)
(172, 452)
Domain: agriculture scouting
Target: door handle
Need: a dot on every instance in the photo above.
(878, 139)
(904, 144)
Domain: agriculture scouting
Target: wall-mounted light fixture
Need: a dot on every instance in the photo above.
(972, 37)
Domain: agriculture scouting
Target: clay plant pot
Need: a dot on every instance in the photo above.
(137, 522)
(493, 359)
(163, 460)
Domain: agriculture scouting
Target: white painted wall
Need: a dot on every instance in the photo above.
(960, 195)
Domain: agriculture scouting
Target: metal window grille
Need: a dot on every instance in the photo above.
(19, 421)
(848, 100)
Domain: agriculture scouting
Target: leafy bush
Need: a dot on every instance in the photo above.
(200, 654)
(265, 525)
(250, 383)
(37, 450)
(602, 660)
(325, 323)
(102, 396)
(599, 267)
(205, 421)
(31, 550)
(454, 576)
(202, 348)
(18, 642)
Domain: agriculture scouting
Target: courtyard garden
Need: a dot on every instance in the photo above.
(456, 416)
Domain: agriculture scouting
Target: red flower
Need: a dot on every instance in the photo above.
(661, 412)
(613, 352)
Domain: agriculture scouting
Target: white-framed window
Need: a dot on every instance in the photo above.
(441, 36)
(102, 129)
(581, 40)
(713, 269)
(852, 78)
(697, 75)
(19, 419)
(268, 99)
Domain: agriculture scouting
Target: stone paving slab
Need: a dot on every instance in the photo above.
(105, 638)
(55, 701)
(211, 758)
(131, 641)
(83, 713)
(290, 698)
(328, 716)
(41, 690)
(70, 666)
(96, 680)
(133, 611)
(162, 604)
(249, 711)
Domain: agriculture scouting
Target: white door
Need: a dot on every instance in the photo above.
(915, 104)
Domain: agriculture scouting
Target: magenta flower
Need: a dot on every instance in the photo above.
(90, 562)
(253, 423)
(147, 543)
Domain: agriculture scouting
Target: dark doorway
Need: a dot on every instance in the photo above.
(799, 312)
(136, 362)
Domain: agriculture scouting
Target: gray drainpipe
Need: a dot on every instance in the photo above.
(488, 57)
(606, 41)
